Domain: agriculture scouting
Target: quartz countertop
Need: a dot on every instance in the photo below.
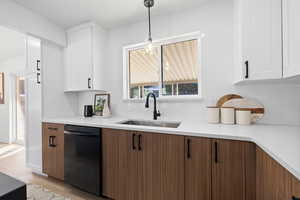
(281, 142)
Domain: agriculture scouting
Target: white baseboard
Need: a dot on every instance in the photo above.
(36, 169)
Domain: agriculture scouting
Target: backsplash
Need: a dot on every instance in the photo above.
(281, 105)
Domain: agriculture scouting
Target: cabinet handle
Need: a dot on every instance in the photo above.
(52, 129)
(295, 198)
(216, 153)
(38, 78)
(38, 65)
(247, 69)
(188, 148)
(133, 141)
(51, 141)
(89, 83)
(140, 142)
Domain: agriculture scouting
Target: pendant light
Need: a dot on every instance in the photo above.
(149, 4)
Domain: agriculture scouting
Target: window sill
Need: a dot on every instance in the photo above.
(168, 99)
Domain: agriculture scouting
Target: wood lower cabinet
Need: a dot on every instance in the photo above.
(110, 161)
(250, 170)
(129, 178)
(151, 166)
(197, 168)
(53, 150)
(120, 159)
(295, 188)
(272, 180)
(228, 170)
(142, 166)
(161, 166)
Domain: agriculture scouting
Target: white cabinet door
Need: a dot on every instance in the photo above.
(33, 123)
(33, 104)
(291, 37)
(261, 40)
(79, 60)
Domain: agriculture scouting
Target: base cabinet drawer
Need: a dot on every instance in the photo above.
(53, 150)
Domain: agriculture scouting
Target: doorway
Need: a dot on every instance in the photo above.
(20, 110)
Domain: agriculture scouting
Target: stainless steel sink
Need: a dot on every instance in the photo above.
(151, 123)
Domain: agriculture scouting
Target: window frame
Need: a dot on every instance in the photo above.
(165, 41)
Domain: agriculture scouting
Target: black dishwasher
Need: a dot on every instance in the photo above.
(83, 168)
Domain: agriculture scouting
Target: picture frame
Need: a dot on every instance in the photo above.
(2, 95)
(99, 102)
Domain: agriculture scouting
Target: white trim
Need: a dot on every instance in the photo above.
(185, 37)
(169, 99)
(125, 73)
(36, 169)
(12, 108)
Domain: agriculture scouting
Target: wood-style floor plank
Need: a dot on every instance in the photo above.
(15, 166)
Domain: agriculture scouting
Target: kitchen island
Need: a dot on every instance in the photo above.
(11, 189)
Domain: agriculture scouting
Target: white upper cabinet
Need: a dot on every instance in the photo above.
(259, 36)
(84, 56)
(291, 38)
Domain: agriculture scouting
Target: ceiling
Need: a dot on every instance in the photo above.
(108, 13)
(12, 44)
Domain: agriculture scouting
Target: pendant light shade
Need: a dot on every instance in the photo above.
(149, 4)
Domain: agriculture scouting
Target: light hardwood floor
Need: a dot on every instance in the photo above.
(15, 166)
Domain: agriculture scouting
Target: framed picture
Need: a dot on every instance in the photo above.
(1, 88)
(100, 101)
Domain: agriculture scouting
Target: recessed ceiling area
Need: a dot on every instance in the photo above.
(108, 13)
(13, 44)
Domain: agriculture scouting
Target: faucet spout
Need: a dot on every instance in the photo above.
(156, 113)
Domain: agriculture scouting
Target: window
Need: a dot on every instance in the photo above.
(170, 70)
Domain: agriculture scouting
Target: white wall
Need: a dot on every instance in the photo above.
(14, 16)
(215, 20)
(55, 102)
(10, 67)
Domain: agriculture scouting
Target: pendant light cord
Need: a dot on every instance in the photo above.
(149, 20)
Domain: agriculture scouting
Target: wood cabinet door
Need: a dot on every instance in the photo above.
(197, 168)
(272, 180)
(110, 161)
(295, 187)
(161, 166)
(250, 170)
(53, 150)
(228, 166)
(128, 179)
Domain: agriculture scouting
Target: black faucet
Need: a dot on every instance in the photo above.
(156, 113)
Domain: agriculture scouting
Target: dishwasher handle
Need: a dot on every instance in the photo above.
(81, 134)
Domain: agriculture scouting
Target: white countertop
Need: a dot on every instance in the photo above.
(282, 143)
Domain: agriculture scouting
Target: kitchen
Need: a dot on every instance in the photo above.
(227, 37)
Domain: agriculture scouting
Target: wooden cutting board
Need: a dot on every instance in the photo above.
(257, 109)
(226, 98)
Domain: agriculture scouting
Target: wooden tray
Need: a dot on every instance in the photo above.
(226, 98)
